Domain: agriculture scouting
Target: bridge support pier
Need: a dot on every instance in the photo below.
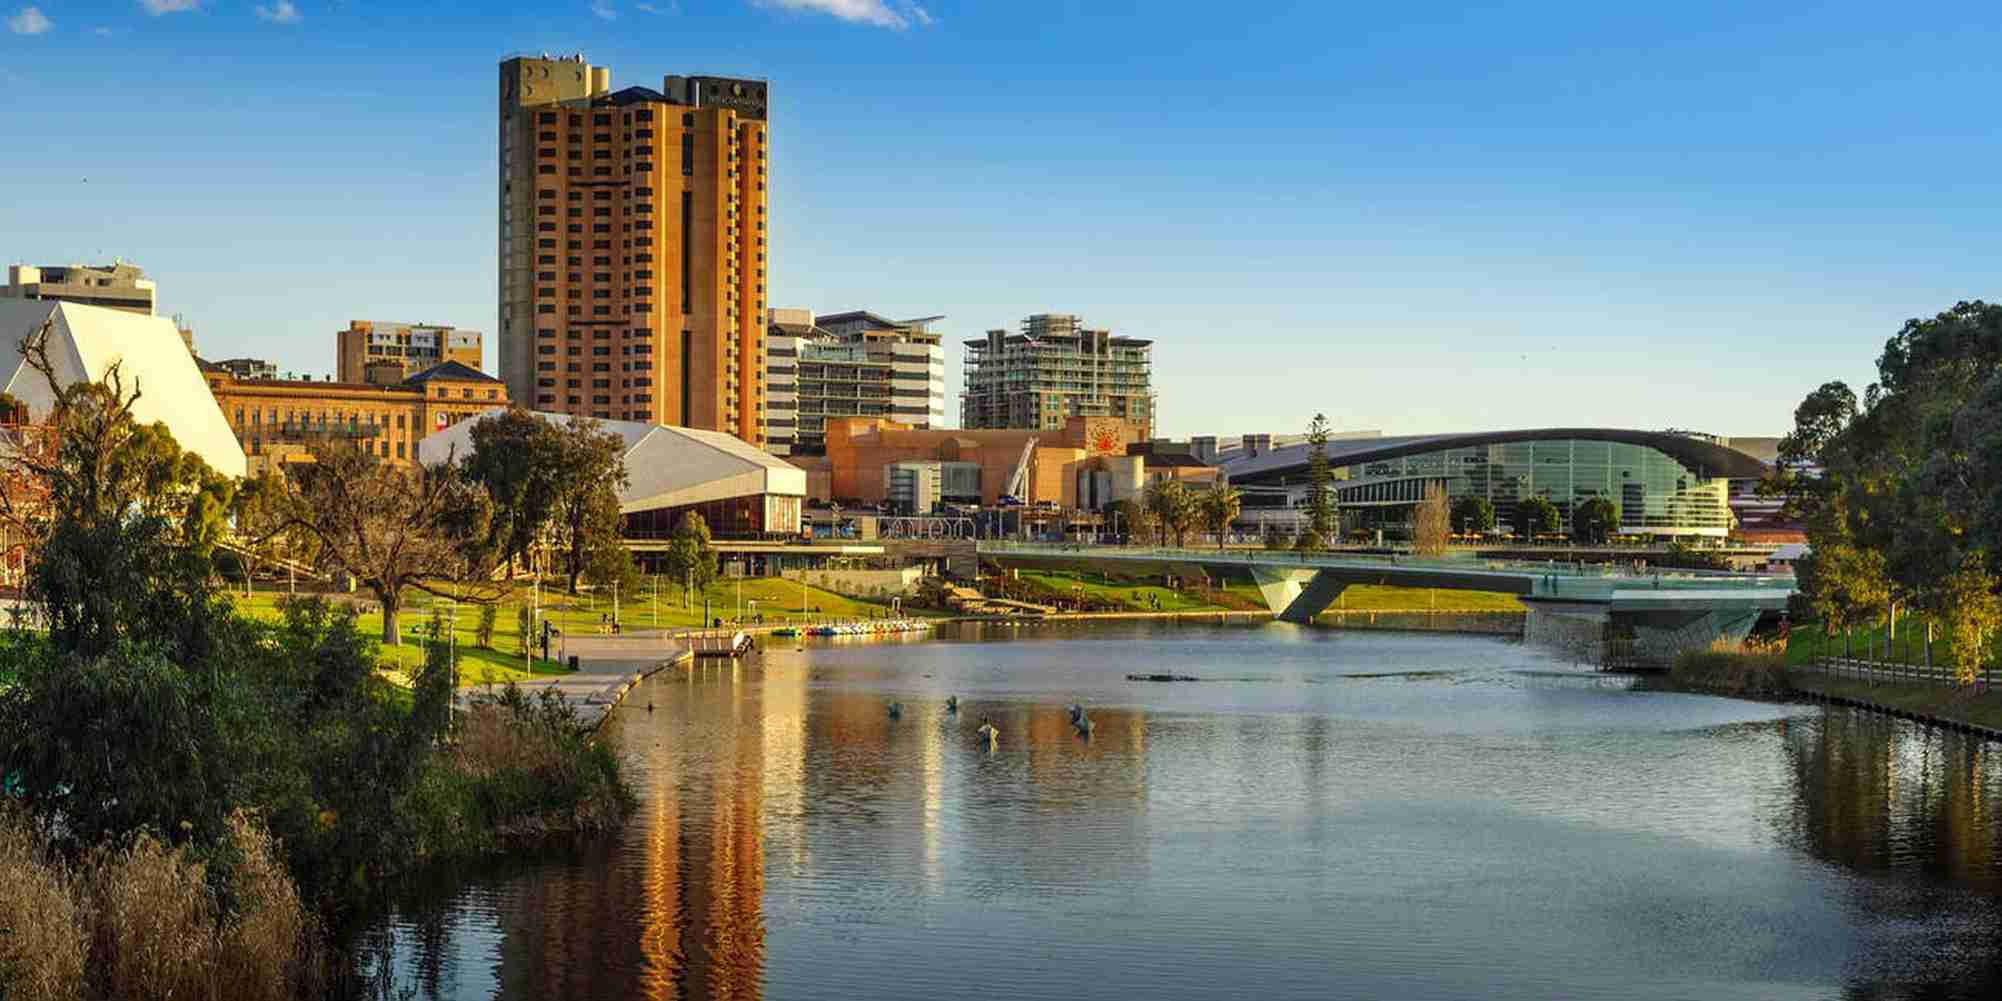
(1601, 633)
(1297, 595)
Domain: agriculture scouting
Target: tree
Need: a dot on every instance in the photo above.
(518, 457)
(1172, 507)
(1535, 516)
(591, 469)
(483, 634)
(121, 523)
(1473, 516)
(390, 528)
(1127, 518)
(1967, 606)
(1430, 522)
(1898, 494)
(1320, 485)
(1595, 521)
(1219, 506)
(689, 557)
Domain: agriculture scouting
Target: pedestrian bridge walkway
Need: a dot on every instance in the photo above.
(1647, 615)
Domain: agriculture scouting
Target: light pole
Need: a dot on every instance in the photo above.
(451, 658)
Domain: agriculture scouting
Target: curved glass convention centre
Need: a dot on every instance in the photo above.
(1663, 483)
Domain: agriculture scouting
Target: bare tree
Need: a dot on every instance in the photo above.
(1431, 522)
(391, 528)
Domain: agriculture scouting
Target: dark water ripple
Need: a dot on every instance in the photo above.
(1326, 815)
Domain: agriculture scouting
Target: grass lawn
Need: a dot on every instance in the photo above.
(1806, 642)
(1380, 598)
(1127, 594)
(1359, 597)
(578, 615)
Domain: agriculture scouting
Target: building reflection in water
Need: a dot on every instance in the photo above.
(681, 916)
(791, 833)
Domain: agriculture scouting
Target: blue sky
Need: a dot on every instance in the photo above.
(1414, 217)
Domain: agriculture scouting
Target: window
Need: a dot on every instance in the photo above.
(688, 156)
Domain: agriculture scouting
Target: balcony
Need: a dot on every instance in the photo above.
(295, 430)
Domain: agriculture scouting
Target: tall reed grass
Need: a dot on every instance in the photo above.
(148, 919)
(1747, 668)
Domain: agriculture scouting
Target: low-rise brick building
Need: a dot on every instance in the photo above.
(276, 420)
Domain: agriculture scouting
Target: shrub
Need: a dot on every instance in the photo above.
(530, 766)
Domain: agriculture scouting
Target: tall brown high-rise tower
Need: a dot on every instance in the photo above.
(632, 246)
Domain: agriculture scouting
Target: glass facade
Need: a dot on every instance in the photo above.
(1655, 493)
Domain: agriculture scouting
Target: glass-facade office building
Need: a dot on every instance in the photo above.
(1663, 484)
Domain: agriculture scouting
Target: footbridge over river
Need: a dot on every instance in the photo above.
(1594, 611)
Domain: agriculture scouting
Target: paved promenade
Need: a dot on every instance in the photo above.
(607, 666)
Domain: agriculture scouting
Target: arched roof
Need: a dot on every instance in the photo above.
(1707, 459)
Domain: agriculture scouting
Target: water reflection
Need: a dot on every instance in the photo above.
(1335, 814)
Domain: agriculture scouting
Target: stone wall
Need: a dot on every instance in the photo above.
(861, 583)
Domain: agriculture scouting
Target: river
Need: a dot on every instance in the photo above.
(1326, 814)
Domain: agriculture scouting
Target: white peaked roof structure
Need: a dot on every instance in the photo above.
(86, 341)
(665, 466)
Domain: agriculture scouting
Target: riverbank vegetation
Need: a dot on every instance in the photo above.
(191, 795)
(1754, 670)
(1901, 491)
(1732, 669)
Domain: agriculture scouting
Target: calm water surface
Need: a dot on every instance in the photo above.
(1326, 815)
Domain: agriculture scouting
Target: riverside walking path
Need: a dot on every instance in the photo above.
(607, 667)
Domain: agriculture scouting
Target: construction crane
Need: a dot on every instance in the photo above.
(1017, 488)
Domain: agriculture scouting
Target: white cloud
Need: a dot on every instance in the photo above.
(655, 8)
(282, 12)
(876, 12)
(920, 15)
(159, 7)
(604, 10)
(30, 21)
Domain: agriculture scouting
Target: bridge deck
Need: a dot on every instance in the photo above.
(1621, 587)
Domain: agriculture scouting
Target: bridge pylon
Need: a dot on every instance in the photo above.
(1297, 595)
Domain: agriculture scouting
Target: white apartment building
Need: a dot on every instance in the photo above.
(853, 364)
